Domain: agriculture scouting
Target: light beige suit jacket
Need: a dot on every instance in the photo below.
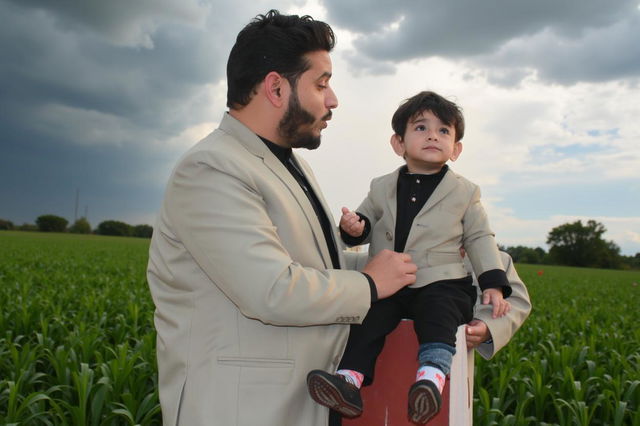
(246, 300)
(502, 329)
(451, 218)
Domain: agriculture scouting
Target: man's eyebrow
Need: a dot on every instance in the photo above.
(324, 75)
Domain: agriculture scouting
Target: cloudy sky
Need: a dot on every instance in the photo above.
(101, 97)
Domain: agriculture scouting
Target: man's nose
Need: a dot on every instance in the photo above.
(331, 101)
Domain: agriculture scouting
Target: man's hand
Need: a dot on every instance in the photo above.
(350, 223)
(476, 332)
(494, 297)
(391, 271)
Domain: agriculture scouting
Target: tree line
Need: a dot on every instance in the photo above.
(571, 244)
(576, 244)
(53, 223)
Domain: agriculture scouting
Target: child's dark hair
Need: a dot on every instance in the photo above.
(273, 42)
(448, 112)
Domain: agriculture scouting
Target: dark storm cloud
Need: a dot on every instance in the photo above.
(91, 91)
(120, 22)
(565, 42)
(130, 87)
(136, 69)
(42, 177)
(600, 54)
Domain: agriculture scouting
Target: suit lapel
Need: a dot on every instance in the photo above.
(254, 145)
(315, 224)
(446, 185)
(392, 195)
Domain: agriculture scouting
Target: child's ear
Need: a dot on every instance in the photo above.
(457, 150)
(397, 144)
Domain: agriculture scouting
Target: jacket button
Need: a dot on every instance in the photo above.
(389, 236)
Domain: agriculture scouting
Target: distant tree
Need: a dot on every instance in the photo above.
(51, 223)
(142, 231)
(609, 256)
(631, 262)
(6, 225)
(522, 254)
(29, 227)
(575, 244)
(80, 226)
(114, 227)
(539, 255)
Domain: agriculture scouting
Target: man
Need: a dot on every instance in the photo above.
(244, 267)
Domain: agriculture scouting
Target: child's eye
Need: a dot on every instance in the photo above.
(421, 128)
(444, 131)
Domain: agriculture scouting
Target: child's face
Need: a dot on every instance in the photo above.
(427, 144)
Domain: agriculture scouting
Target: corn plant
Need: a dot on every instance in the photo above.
(576, 361)
(77, 344)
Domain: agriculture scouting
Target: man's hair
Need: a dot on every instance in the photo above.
(448, 112)
(273, 42)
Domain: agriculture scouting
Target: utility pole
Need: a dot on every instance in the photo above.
(75, 217)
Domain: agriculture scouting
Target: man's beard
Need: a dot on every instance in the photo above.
(295, 126)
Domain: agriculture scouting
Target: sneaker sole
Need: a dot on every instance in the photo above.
(423, 404)
(325, 393)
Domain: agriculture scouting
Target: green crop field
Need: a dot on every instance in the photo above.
(77, 341)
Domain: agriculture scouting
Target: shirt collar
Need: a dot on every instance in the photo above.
(281, 152)
(404, 173)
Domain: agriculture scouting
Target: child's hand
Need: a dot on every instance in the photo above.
(494, 297)
(350, 223)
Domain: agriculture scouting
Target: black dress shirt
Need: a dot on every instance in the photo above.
(285, 157)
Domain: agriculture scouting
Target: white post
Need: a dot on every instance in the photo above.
(461, 383)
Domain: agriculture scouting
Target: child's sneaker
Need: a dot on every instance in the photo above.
(333, 391)
(424, 401)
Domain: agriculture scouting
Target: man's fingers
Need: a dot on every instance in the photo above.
(473, 339)
(410, 268)
(390, 271)
(407, 267)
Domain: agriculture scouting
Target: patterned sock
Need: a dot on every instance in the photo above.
(427, 372)
(352, 377)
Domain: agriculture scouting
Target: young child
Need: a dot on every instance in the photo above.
(428, 211)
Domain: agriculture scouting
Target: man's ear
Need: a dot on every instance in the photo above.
(457, 150)
(397, 144)
(275, 88)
